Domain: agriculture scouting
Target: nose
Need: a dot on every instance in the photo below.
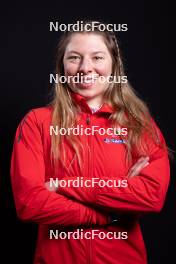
(85, 66)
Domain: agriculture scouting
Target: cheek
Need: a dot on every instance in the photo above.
(105, 69)
(70, 69)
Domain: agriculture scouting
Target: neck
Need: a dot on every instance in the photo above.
(94, 102)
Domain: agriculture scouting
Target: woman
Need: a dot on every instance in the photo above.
(119, 175)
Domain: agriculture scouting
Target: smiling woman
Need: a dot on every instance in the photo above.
(88, 54)
(141, 160)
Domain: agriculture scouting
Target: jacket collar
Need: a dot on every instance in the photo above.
(80, 100)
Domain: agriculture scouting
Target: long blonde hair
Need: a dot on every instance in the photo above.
(129, 110)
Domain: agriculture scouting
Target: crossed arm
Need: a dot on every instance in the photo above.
(75, 206)
(32, 199)
(144, 192)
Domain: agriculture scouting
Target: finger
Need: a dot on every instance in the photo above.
(141, 160)
(137, 164)
(137, 169)
(140, 167)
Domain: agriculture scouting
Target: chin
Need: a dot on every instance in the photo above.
(87, 94)
(84, 91)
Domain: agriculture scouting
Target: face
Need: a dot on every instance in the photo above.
(87, 57)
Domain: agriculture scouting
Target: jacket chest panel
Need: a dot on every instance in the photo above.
(109, 156)
(103, 155)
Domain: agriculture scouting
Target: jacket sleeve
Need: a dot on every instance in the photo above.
(143, 193)
(33, 201)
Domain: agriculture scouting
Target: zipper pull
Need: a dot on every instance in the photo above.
(88, 120)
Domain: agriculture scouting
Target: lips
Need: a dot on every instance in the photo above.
(85, 81)
(88, 79)
(85, 84)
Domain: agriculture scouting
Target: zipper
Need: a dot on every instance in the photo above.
(89, 173)
(88, 120)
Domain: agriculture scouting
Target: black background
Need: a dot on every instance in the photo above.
(27, 57)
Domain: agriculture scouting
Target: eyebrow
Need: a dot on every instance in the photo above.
(95, 52)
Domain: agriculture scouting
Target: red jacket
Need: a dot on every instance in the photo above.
(79, 208)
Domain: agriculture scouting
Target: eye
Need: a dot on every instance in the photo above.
(74, 58)
(98, 58)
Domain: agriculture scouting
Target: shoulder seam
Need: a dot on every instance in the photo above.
(21, 125)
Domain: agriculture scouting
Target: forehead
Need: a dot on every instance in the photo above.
(85, 42)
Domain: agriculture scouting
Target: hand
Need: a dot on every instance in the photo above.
(138, 166)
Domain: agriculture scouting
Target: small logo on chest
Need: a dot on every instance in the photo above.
(114, 141)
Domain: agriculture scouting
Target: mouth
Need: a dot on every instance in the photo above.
(88, 79)
(85, 81)
(85, 85)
